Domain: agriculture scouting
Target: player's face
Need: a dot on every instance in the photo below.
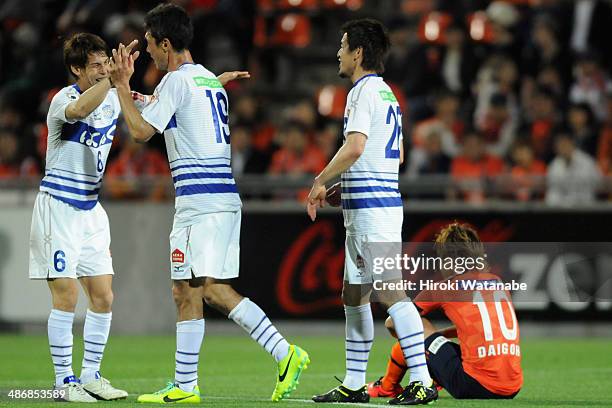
(346, 58)
(96, 69)
(157, 53)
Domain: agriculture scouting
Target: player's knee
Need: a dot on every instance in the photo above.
(102, 302)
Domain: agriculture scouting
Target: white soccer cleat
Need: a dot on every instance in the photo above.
(74, 392)
(102, 389)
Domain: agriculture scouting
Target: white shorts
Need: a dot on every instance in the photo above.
(210, 248)
(66, 242)
(363, 254)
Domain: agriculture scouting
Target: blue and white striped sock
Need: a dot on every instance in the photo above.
(409, 328)
(95, 336)
(251, 318)
(59, 330)
(359, 339)
(189, 336)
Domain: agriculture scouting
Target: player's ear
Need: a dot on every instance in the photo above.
(76, 71)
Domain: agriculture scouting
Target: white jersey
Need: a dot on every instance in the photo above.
(77, 149)
(371, 200)
(190, 107)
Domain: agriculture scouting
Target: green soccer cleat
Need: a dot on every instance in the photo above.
(289, 370)
(171, 394)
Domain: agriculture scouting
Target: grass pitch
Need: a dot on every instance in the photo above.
(234, 372)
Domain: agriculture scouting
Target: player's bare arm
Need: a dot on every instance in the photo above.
(229, 76)
(348, 154)
(122, 68)
(89, 100)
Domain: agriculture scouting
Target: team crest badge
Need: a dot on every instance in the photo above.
(108, 111)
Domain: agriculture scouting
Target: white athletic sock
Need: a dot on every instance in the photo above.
(359, 339)
(95, 336)
(251, 318)
(189, 336)
(59, 329)
(409, 329)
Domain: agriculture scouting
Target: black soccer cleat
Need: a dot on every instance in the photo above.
(416, 394)
(343, 394)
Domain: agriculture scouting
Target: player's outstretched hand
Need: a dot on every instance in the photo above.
(332, 196)
(226, 77)
(122, 63)
(316, 199)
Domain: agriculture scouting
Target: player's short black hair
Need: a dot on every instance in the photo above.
(172, 22)
(372, 37)
(78, 47)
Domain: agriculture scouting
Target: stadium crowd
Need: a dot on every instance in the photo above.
(509, 99)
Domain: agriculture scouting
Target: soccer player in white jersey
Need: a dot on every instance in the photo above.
(368, 162)
(190, 108)
(70, 236)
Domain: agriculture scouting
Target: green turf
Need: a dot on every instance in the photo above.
(235, 373)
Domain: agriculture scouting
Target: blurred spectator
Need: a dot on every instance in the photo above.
(527, 173)
(604, 149)
(541, 120)
(297, 155)
(428, 158)
(245, 158)
(573, 176)
(248, 112)
(591, 25)
(329, 139)
(499, 75)
(546, 50)
(11, 165)
(459, 63)
(134, 161)
(583, 127)
(471, 170)
(446, 122)
(591, 84)
(498, 126)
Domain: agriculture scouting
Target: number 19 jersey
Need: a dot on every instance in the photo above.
(190, 107)
(371, 201)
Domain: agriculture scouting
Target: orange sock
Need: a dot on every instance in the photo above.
(396, 368)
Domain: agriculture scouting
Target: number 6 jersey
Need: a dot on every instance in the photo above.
(190, 107)
(77, 149)
(371, 201)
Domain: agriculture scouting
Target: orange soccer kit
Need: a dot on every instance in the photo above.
(487, 361)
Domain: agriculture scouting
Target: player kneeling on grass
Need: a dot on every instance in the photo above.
(486, 364)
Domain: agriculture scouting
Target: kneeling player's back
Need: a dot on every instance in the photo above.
(487, 330)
